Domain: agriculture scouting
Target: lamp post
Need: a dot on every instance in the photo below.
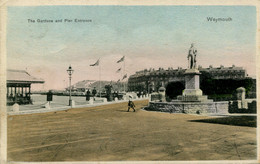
(148, 86)
(70, 72)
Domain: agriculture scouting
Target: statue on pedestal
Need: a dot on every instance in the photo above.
(192, 57)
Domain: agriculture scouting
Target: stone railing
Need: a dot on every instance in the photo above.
(189, 107)
(243, 106)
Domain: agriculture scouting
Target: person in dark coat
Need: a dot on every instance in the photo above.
(131, 105)
(94, 92)
(88, 95)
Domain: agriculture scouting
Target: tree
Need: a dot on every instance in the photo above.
(174, 89)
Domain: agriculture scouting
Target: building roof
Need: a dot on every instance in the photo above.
(180, 71)
(21, 76)
(84, 84)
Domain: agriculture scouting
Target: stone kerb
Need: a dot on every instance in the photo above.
(73, 103)
(165, 107)
(47, 105)
(91, 101)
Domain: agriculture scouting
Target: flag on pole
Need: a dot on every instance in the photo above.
(125, 76)
(122, 59)
(95, 64)
(118, 70)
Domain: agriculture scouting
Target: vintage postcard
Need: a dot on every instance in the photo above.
(129, 82)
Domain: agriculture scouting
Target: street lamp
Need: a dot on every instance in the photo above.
(149, 85)
(70, 72)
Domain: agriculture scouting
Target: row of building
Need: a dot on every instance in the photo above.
(150, 80)
(19, 82)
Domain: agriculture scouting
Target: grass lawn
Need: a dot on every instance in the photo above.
(109, 133)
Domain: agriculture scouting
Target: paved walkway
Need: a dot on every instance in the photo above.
(39, 107)
(109, 133)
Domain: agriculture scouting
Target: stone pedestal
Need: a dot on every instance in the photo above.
(192, 90)
(47, 105)
(192, 83)
(241, 93)
(162, 94)
(15, 107)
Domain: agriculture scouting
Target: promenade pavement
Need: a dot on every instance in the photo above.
(110, 133)
(59, 105)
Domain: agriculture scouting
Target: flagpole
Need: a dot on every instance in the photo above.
(124, 74)
(121, 78)
(99, 81)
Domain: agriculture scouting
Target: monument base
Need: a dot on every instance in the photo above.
(194, 98)
(193, 95)
(192, 92)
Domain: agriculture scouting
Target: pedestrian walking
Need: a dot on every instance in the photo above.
(131, 105)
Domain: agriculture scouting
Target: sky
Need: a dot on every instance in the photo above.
(148, 37)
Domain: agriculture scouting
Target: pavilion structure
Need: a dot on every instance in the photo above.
(19, 86)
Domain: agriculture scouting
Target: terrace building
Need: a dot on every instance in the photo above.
(151, 80)
(225, 72)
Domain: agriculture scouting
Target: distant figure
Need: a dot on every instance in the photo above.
(192, 57)
(88, 95)
(94, 92)
(117, 94)
(131, 105)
